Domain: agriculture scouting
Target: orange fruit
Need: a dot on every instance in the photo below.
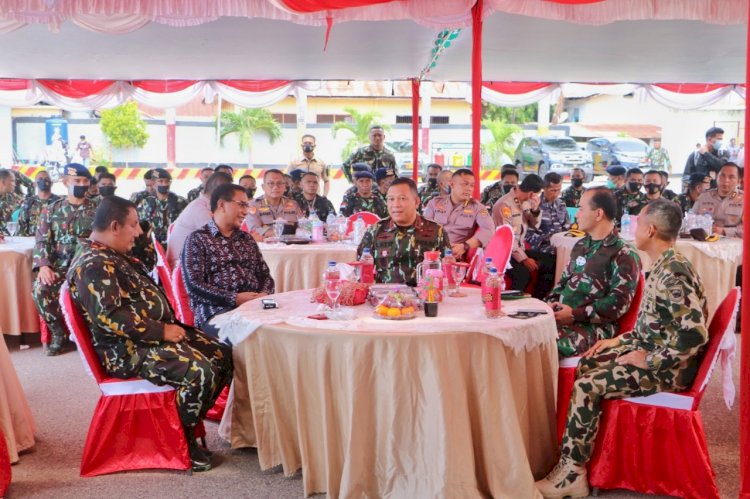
(407, 310)
(381, 310)
(394, 312)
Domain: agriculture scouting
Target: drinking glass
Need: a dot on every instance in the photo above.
(459, 274)
(333, 290)
(341, 227)
(278, 229)
(12, 227)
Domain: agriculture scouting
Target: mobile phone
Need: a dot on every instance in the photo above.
(269, 303)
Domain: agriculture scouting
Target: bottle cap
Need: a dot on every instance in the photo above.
(493, 270)
(366, 251)
(431, 255)
(488, 259)
(448, 252)
(331, 264)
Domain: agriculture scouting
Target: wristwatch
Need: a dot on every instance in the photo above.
(650, 361)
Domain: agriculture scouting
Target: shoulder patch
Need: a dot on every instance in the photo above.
(506, 211)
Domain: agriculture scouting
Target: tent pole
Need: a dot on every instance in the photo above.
(415, 82)
(745, 321)
(476, 92)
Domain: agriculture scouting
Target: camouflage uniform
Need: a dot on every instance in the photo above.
(572, 196)
(670, 195)
(357, 203)
(58, 235)
(321, 205)
(261, 215)
(491, 194)
(8, 204)
(685, 202)
(727, 211)
(426, 193)
(21, 182)
(599, 284)
(161, 214)
(632, 202)
(554, 219)
(398, 250)
(369, 155)
(461, 221)
(138, 197)
(659, 159)
(671, 328)
(193, 194)
(126, 313)
(31, 209)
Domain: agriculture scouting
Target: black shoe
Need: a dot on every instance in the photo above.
(198, 458)
(59, 346)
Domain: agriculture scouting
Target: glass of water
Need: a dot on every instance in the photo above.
(12, 227)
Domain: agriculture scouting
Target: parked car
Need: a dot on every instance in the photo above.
(402, 150)
(629, 152)
(542, 155)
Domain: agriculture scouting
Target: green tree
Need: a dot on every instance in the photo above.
(359, 127)
(123, 127)
(517, 115)
(246, 124)
(502, 144)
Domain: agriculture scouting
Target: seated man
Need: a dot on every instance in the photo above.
(221, 264)
(429, 189)
(133, 328)
(654, 184)
(163, 208)
(466, 221)
(598, 285)
(310, 202)
(508, 180)
(630, 198)
(398, 243)
(666, 193)
(384, 177)
(660, 354)
(107, 184)
(9, 201)
(698, 183)
(364, 199)
(193, 194)
(271, 206)
(616, 176)
(150, 190)
(247, 182)
(32, 206)
(724, 203)
(571, 196)
(296, 176)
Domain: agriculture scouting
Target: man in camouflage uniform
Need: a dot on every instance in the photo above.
(163, 208)
(508, 180)
(193, 194)
(22, 181)
(658, 157)
(133, 328)
(271, 206)
(309, 201)
(660, 354)
(668, 194)
(148, 179)
(697, 185)
(616, 176)
(375, 151)
(9, 201)
(724, 203)
(364, 199)
(598, 285)
(430, 189)
(571, 196)
(398, 243)
(383, 178)
(630, 198)
(61, 224)
(32, 207)
(466, 221)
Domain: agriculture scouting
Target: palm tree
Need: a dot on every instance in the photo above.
(246, 124)
(359, 126)
(502, 143)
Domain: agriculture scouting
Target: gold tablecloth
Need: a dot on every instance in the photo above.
(716, 263)
(17, 311)
(399, 413)
(16, 420)
(300, 266)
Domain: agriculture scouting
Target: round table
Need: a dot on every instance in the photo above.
(457, 406)
(18, 313)
(716, 263)
(16, 420)
(300, 266)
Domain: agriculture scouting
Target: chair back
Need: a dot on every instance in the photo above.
(243, 227)
(499, 249)
(183, 310)
(79, 329)
(722, 323)
(368, 218)
(626, 323)
(170, 229)
(164, 272)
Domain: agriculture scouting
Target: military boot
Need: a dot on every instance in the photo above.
(56, 345)
(198, 458)
(567, 479)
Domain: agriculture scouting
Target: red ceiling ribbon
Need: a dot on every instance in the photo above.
(574, 2)
(309, 6)
(163, 86)
(76, 89)
(14, 84)
(255, 85)
(691, 88)
(514, 87)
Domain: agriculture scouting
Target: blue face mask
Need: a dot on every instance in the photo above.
(717, 145)
(610, 184)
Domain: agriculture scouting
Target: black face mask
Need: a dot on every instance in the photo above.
(634, 186)
(653, 188)
(576, 182)
(79, 191)
(307, 148)
(250, 193)
(162, 189)
(507, 188)
(432, 182)
(107, 190)
(44, 184)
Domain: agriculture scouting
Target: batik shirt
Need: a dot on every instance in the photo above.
(31, 209)
(554, 219)
(60, 230)
(161, 214)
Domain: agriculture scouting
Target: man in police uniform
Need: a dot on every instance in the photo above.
(364, 199)
(508, 180)
(271, 206)
(163, 208)
(150, 189)
(598, 285)
(371, 153)
(430, 189)
(616, 177)
(32, 207)
(571, 196)
(661, 354)
(133, 328)
(61, 224)
(630, 198)
(309, 201)
(697, 185)
(309, 163)
(193, 194)
(9, 200)
(724, 203)
(466, 221)
(520, 209)
(398, 242)
(384, 177)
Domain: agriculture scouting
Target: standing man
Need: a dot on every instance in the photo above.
(221, 264)
(61, 224)
(508, 180)
(163, 208)
(193, 194)
(247, 182)
(616, 177)
(84, 150)
(398, 242)
(384, 178)
(368, 154)
(571, 196)
(271, 206)
(430, 189)
(658, 157)
(9, 201)
(520, 209)
(734, 150)
(630, 198)
(309, 163)
(32, 207)
(364, 199)
(150, 190)
(465, 220)
(310, 202)
(698, 184)
(710, 157)
(724, 203)
(661, 354)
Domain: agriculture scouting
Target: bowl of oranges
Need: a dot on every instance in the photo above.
(397, 306)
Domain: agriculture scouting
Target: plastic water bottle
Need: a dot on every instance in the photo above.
(368, 266)
(330, 222)
(486, 269)
(359, 229)
(317, 231)
(625, 225)
(491, 294)
(332, 283)
(448, 261)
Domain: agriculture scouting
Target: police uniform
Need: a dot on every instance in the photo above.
(599, 284)
(8, 204)
(572, 196)
(161, 213)
(127, 313)
(461, 221)
(261, 215)
(321, 205)
(671, 329)
(633, 202)
(398, 250)
(492, 193)
(370, 156)
(310, 165)
(726, 212)
(31, 209)
(193, 194)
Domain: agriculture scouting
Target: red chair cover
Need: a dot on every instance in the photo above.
(44, 333)
(184, 312)
(499, 249)
(217, 411)
(243, 227)
(367, 217)
(164, 271)
(5, 472)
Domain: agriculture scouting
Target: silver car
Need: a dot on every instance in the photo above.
(549, 153)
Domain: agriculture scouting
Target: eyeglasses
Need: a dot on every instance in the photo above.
(275, 184)
(241, 204)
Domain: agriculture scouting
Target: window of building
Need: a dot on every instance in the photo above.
(333, 118)
(285, 118)
(439, 120)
